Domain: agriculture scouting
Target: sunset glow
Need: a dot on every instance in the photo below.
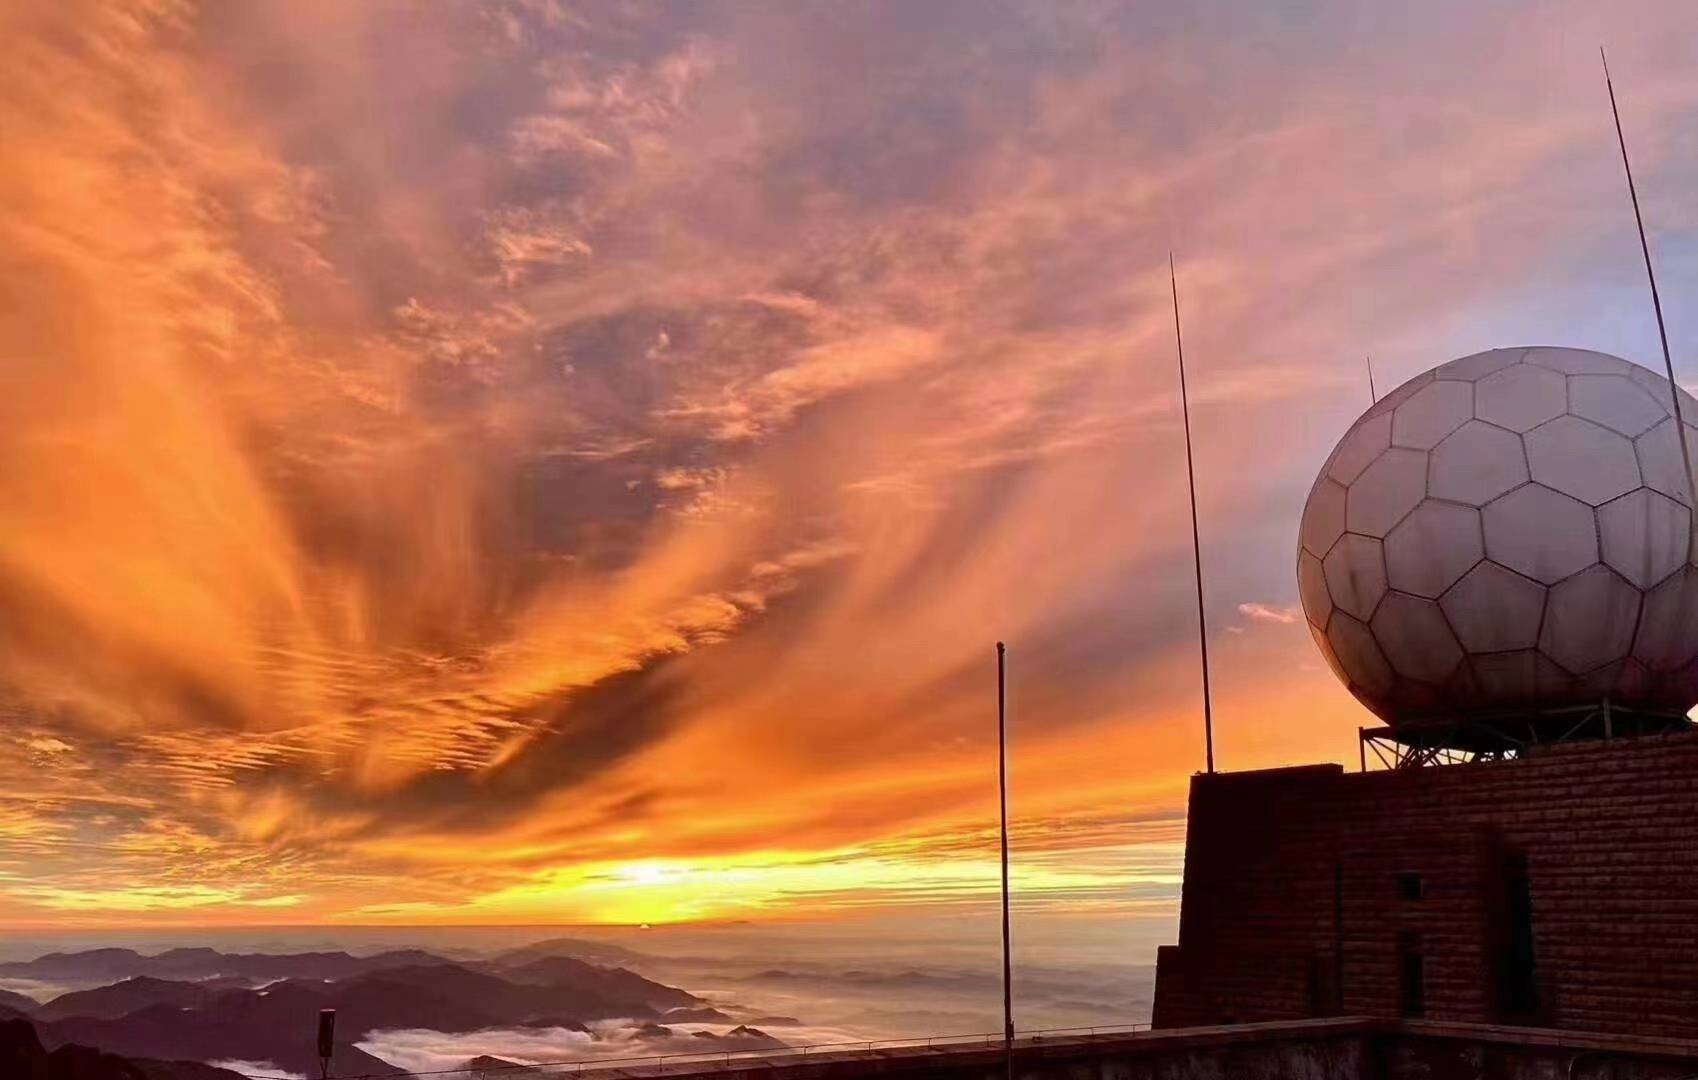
(521, 462)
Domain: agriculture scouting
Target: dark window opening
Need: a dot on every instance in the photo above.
(1337, 938)
(1517, 985)
(1409, 885)
(1320, 988)
(1411, 975)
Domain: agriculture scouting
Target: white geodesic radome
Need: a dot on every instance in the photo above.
(1509, 531)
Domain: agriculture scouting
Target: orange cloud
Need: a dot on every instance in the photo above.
(488, 466)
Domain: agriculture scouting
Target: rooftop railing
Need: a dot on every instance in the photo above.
(683, 1060)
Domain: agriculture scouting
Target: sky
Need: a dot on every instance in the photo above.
(519, 462)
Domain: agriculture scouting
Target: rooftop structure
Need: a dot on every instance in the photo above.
(1558, 890)
(1497, 560)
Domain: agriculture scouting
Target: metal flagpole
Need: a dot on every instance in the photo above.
(1651, 276)
(1002, 793)
(326, 1041)
(1373, 395)
(1196, 540)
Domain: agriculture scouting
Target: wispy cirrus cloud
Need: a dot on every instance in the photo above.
(1282, 614)
(445, 451)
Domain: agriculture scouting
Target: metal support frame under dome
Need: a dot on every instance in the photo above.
(1501, 736)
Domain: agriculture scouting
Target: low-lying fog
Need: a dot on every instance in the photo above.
(803, 984)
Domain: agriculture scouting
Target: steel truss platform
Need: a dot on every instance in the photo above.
(1458, 740)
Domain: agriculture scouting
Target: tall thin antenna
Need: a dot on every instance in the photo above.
(1196, 539)
(1651, 276)
(1002, 794)
(1373, 395)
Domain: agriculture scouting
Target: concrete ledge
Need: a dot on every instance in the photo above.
(1038, 1055)
(1626, 1045)
(1334, 1048)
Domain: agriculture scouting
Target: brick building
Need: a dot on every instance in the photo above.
(1558, 889)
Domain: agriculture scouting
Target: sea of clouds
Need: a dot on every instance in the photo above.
(257, 1069)
(420, 1050)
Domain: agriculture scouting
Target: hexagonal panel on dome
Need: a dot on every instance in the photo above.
(1415, 638)
(1312, 589)
(1589, 621)
(1634, 684)
(1475, 464)
(1433, 412)
(1576, 361)
(1323, 518)
(1525, 677)
(1391, 399)
(1668, 627)
(1327, 654)
(1521, 397)
(1541, 533)
(1359, 655)
(1462, 690)
(1494, 610)
(1658, 386)
(1356, 575)
(1677, 689)
(1582, 459)
(1431, 548)
(1660, 461)
(1359, 447)
(1615, 401)
(1640, 687)
(1479, 365)
(1417, 699)
(1644, 536)
(1599, 683)
(1386, 491)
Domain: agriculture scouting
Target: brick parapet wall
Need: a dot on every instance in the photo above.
(1291, 905)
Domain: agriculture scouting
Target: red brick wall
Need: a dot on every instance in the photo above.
(1291, 904)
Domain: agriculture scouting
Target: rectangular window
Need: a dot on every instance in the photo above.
(1409, 885)
(1411, 975)
(1517, 987)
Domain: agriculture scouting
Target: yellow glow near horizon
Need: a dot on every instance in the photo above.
(460, 464)
(666, 891)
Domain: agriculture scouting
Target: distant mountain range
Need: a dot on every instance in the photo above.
(16, 1002)
(597, 952)
(742, 1037)
(484, 1061)
(206, 1005)
(106, 965)
(122, 998)
(958, 982)
(23, 1057)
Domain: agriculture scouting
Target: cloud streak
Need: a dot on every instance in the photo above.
(454, 459)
